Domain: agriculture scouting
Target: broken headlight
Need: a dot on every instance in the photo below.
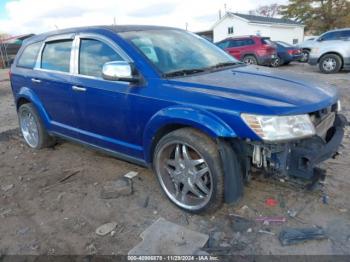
(277, 128)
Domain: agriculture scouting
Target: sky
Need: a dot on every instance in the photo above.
(37, 16)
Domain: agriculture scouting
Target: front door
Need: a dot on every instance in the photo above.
(104, 106)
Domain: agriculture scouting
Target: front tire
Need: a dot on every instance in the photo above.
(330, 64)
(32, 128)
(188, 167)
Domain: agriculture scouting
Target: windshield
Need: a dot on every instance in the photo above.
(284, 44)
(174, 50)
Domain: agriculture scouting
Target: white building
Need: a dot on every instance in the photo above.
(233, 24)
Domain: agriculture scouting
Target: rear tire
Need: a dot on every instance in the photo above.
(32, 128)
(250, 60)
(174, 163)
(330, 64)
(305, 57)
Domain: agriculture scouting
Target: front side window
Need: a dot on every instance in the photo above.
(171, 50)
(56, 56)
(93, 55)
(29, 55)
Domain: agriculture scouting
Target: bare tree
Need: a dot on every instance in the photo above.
(272, 10)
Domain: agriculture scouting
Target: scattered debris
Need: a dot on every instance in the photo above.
(249, 230)
(23, 231)
(325, 199)
(131, 174)
(289, 236)
(6, 213)
(240, 224)
(115, 189)
(271, 202)
(266, 232)
(106, 228)
(145, 204)
(7, 187)
(268, 220)
(292, 213)
(166, 238)
(71, 173)
(60, 196)
(343, 210)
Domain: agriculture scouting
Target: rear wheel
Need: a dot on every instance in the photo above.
(250, 60)
(32, 128)
(330, 63)
(277, 62)
(189, 170)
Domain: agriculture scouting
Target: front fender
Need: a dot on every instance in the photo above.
(196, 118)
(30, 95)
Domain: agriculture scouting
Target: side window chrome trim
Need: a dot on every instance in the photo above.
(53, 39)
(105, 40)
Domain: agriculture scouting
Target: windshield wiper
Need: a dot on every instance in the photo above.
(183, 72)
(225, 64)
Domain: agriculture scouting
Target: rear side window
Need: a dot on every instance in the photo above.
(56, 56)
(266, 41)
(29, 55)
(93, 55)
(223, 45)
(345, 34)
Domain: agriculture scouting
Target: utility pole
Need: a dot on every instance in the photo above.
(186, 26)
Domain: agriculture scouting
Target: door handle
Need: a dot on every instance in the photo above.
(79, 89)
(35, 80)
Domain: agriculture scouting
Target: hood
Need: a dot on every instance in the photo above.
(261, 90)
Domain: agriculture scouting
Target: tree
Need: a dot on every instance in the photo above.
(267, 10)
(318, 15)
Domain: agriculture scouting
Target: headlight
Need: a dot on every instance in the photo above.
(276, 128)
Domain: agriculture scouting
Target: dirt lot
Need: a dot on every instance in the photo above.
(43, 213)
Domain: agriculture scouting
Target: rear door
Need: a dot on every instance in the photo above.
(51, 80)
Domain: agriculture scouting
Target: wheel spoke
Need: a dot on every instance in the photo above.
(170, 171)
(195, 191)
(202, 186)
(171, 162)
(196, 162)
(202, 172)
(185, 153)
(184, 192)
(177, 153)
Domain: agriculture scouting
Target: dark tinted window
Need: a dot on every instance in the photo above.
(223, 44)
(329, 36)
(56, 56)
(93, 55)
(29, 55)
(266, 41)
(241, 42)
(344, 34)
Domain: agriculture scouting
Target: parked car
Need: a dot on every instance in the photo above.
(286, 53)
(332, 54)
(306, 48)
(250, 49)
(168, 99)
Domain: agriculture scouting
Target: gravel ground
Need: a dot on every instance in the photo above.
(45, 210)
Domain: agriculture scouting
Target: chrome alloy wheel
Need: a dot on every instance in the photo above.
(29, 128)
(329, 64)
(184, 175)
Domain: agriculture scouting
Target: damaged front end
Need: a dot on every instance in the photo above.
(300, 158)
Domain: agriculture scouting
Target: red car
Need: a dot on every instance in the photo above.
(250, 49)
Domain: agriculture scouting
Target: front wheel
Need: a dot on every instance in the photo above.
(188, 167)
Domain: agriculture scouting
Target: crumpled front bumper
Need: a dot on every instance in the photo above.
(300, 159)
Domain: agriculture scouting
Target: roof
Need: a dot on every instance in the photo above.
(266, 20)
(115, 28)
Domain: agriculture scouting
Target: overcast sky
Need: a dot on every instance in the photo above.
(36, 16)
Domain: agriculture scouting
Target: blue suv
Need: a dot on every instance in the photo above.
(167, 99)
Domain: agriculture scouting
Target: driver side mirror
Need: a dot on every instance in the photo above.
(119, 71)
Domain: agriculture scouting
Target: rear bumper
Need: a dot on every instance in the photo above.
(266, 60)
(299, 159)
